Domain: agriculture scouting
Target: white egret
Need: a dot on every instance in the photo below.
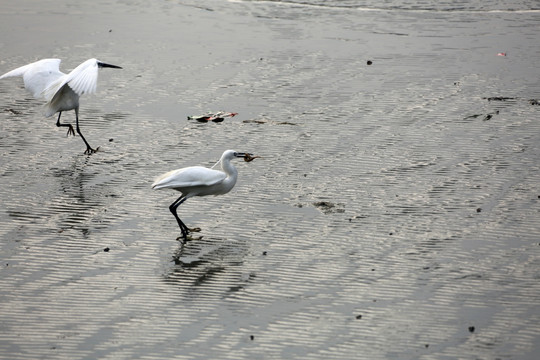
(44, 80)
(200, 181)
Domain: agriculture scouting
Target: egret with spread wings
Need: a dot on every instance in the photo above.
(44, 80)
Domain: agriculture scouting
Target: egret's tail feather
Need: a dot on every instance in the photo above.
(17, 72)
(49, 110)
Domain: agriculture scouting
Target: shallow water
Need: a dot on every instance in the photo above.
(388, 214)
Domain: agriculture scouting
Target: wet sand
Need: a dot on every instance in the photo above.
(393, 213)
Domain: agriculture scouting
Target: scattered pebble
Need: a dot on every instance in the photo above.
(471, 329)
(358, 317)
(111, 140)
(369, 62)
(252, 337)
(427, 345)
(264, 253)
(106, 249)
(479, 210)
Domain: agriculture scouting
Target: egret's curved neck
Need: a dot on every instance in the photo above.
(228, 183)
(229, 169)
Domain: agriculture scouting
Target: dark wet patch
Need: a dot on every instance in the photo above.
(329, 207)
(486, 117)
(254, 121)
(261, 122)
(12, 111)
(499, 98)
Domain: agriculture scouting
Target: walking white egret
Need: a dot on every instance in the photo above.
(200, 181)
(44, 80)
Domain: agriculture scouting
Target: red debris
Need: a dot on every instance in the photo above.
(215, 117)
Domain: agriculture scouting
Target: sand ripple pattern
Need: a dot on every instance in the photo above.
(393, 213)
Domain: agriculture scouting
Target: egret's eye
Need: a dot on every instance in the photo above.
(235, 153)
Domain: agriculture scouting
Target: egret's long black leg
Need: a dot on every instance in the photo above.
(89, 149)
(70, 130)
(172, 208)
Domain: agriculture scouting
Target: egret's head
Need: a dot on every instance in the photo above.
(231, 154)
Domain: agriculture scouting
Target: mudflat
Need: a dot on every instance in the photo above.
(392, 214)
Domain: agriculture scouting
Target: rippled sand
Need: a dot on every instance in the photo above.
(394, 213)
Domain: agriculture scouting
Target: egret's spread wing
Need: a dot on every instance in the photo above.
(189, 177)
(82, 80)
(38, 75)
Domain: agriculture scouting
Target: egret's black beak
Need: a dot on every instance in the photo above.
(241, 155)
(104, 65)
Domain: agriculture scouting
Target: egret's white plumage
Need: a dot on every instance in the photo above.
(44, 80)
(199, 181)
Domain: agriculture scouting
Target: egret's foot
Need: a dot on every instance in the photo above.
(195, 229)
(188, 238)
(90, 151)
(70, 130)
